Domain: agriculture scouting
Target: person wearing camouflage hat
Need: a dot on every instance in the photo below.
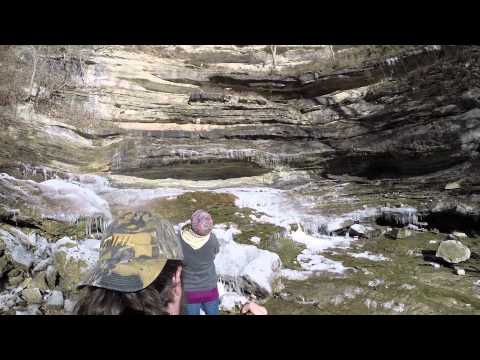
(139, 271)
(139, 266)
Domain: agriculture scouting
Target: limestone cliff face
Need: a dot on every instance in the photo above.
(149, 107)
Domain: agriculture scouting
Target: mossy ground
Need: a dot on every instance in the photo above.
(408, 282)
(55, 230)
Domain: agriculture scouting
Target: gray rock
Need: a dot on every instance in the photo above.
(32, 296)
(357, 230)
(375, 283)
(69, 306)
(453, 251)
(51, 276)
(30, 310)
(342, 228)
(73, 269)
(42, 265)
(454, 185)
(7, 301)
(471, 97)
(364, 231)
(459, 235)
(39, 281)
(412, 227)
(15, 277)
(400, 233)
(55, 300)
(21, 258)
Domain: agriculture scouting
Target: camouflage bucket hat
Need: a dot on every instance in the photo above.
(133, 252)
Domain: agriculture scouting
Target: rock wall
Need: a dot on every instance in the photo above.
(154, 106)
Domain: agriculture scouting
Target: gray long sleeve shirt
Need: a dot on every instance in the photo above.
(199, 272)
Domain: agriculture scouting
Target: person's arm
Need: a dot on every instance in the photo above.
(252, 308)
(216, 244)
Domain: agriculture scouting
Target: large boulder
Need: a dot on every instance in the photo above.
(8, 300)
(73, 260)
(55, 300)
(364, 231)
(453, 251)
(253, 270)
(32, 296)
(15, 252)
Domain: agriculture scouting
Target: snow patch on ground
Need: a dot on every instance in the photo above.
(396, 307)
(315, 263)
(369, 256)
(296, 275)
(86, 250)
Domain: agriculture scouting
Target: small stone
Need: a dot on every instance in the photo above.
(453, 251)
(433, 241)
(357, 230)
(460, 271)
(55, 300)
(42, 265)
(32, 296)
(407, 287)
(375, 283)
(255, 239)
(454, 185)
(459, 235)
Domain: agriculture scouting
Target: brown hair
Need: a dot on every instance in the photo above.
(153, 300)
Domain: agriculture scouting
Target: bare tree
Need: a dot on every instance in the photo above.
(273, 51)
(34, 70)
(332, 52)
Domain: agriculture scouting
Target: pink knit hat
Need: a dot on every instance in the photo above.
(202, 222)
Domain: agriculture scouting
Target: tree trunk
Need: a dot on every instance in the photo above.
(35, 60)
(273, 49)
(332, 52)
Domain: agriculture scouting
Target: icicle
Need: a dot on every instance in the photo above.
(398, 216)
